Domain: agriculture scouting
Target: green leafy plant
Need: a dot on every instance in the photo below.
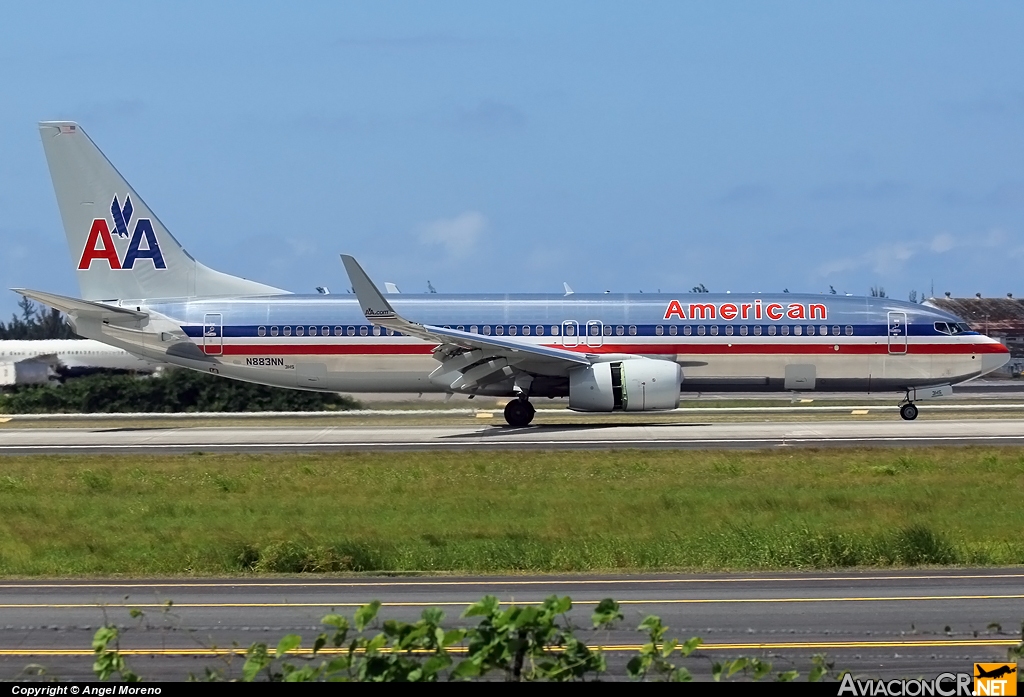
(108, 660)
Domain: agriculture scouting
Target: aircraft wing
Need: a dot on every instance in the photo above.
(84, 308)
(379, 311)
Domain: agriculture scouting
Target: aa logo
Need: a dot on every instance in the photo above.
(995, 679)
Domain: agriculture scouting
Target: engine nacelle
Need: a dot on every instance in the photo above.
(635, 384)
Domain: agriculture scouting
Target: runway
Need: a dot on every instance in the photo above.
(882, 624)
(576, 436)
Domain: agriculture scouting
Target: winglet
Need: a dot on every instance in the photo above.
(371, 301)
(568, 290)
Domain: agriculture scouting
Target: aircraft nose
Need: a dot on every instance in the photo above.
(995, 357)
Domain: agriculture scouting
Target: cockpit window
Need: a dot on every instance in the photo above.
(952, 327)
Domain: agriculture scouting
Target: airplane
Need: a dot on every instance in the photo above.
(995, 672)
(141, 291)
(40, 361)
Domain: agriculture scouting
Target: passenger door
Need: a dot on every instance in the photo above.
(897, 332)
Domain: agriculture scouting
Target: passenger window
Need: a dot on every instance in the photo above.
(262, 331)
(338, 331)
(487, 329)
(728, 330)
(363, 331)
(607, 330)
(312, 331)
(499, 330)
(835, 330)
(673, 330)
(785, 330)
(595, 330)
(659, 330)
(473, 329)
(849, 330)
(376, 331)
(526, 330)
(702, 330)
(632, 330)
(743, 330)
(540, 330)
(273, 331)
(823, 330)
(687, 330)
(570, 330)
(619, 330)
(512, 330)
(810, 330)
(299, 331)
(391, 332)
(325, 331)
(287, 331)
(798, 330)
(351, 331)
(757, 330)
(554, 330)
(714, 330)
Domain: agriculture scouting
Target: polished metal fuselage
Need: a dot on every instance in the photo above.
(723, 342)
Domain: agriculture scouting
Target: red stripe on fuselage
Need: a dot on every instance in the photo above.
(738, 348)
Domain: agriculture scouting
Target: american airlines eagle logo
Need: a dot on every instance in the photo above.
(142, 244)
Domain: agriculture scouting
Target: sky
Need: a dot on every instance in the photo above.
(508, 147)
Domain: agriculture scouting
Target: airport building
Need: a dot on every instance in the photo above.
(999, 318)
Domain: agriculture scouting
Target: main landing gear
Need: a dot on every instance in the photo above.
(519, 412)
(908, 410)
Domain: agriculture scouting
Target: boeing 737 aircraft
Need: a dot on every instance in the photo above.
(38, 362)
(143, 292)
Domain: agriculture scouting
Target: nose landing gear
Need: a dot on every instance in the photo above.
(519, 413)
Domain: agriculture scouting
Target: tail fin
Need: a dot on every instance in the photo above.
(121, 250)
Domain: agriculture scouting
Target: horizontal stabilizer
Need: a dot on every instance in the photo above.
(83, 308)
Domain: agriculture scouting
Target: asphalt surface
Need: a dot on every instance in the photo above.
(576, 436)
(879, 624)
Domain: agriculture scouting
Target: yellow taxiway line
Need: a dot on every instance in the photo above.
(723, 646)
(466, 603)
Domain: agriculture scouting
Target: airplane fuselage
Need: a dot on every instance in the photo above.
(722, 342)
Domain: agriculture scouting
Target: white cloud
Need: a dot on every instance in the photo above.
(458, 235)
(943, 242)
(888, 258)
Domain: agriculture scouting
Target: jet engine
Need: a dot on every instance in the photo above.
(633, 384)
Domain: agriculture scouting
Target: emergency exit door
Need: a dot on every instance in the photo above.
(897, 332)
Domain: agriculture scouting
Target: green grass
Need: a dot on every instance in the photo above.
(508, 511)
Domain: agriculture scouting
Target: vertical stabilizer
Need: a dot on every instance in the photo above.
(118, 246)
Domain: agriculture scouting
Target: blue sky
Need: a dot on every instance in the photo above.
(510, 147)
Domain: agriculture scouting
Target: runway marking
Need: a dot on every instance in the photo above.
(465, 603)
(710, 646)
(502, 582)
(638, 443)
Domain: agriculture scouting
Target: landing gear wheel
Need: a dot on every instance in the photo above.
(519, 413)
(908, 411)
